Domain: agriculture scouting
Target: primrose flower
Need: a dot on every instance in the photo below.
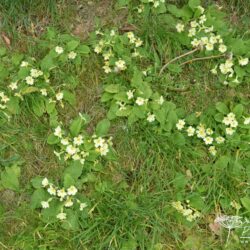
(214, 71)
(247, 121)
(219, 139)
(82, 206)
(45, 182)
(195, 43)
(51, 190)
(78, 140)
(209, 131)
(44, 92)
(202, 19)
(201, 9)
(212, 150)
(72, 190)
(29, 80)
(72, 55)
(243, 61)
(180, 124)
(13, 86)
(130, 94)
(61, 193)
(191, 32)
(65, 141)
(151, 117)
(59, 50)
(24, 64)
(209, 46)
(59, 96)
(58, 131)
(68, 202)
(194, 24)
(213, 40)
(138, 42)
(222, 48)
(98, 49)
(104, 149)
(45, 204)
(61, 216)
(140, 101)
(71, 150)
(160, 101)
(99, 142)
(179, 27)
(190, 131)
(208, 140)
(107, 69)
(229, 131)
(121, 65)
(36, 73)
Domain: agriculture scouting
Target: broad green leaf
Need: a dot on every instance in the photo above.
(52, 139)
(222, 108)
(75, 126)
(194, 3)
(13, 105)
(10, 178)
(68, 181)
(112, 88)
(37, 197)
(74, 170)
(102, 127)
(238, 110)
(69, 97)
(72, 45)
(83, 49)
(246, 202)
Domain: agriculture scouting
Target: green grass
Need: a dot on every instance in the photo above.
(132, 197)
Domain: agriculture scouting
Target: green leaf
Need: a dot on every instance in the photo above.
(10, 178)
(112, 88)
(29, 90)
(38, 107)
(37, 197)
(178, 139)
(72, 45)
(102, 127)
(72, 221)
(47, 63)
(194, 3)
(83, 49)
(69, 97)
(246, 202)
(222, 108)
(75, 126)
(13, 105)
(68, 181)
(74, 170)
(52, 139)
(37, 182)
(238, 110)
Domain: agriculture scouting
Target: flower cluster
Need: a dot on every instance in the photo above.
(4, 100)
(203, 36)
(204, 133)
(231, 122)
(81, 147)
(67, 198)
(186, 210)
(109, 47)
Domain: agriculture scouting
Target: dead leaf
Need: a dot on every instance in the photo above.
(6, 39)
(128, 27)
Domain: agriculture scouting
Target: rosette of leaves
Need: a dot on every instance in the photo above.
(223, 129)
(205, 35)
(62, 202)
(120, 52)
(41, 82)
(75, 145)
(138, 102)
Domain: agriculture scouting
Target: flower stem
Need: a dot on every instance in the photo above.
(201, 59)
(177, 58)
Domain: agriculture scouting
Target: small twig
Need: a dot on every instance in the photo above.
(201, 59)
(177, 58)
